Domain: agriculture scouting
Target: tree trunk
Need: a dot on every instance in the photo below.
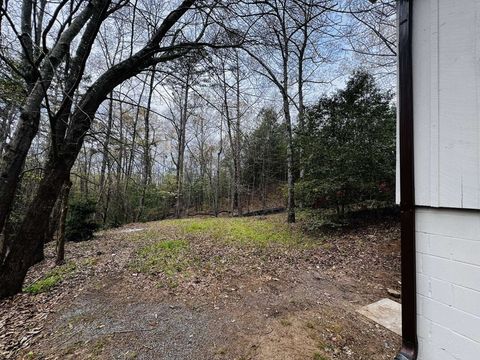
(290, 179)
(238, 139)
(106, 144)
(39, 254)
(288, 123)
(301, 122)
(12, 165)
(180, 174)
(301, 103)
(217, 184)
(179, 208)
(60, 246)
(20, 253)
(53, 221)
(108, 197)
(6, 125)
(17, 256)
(104, 196)
(14, 156)
(234, 145)
(131, 156)
(147, 166)
(83, 178)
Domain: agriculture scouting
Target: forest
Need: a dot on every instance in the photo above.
(115, 112)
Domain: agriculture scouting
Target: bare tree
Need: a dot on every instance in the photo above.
(70, 124)
(38, 74)
(87, 86)
(182, 76)
(372, 34)
(276, 17)
(228, 76)
(147, 161)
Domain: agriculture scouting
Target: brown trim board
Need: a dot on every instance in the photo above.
(409, 347)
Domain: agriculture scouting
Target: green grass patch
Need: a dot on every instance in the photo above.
(146, 234)
(245, 231)
(318, 356)
(169, 257)
(285, 322)
(52, 278)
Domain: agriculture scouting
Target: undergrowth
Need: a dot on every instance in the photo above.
(168, 257)
(52, 278)
(245, 231)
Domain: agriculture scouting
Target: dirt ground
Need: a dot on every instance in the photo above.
(222, 300)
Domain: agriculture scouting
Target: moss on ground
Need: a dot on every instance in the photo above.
(318, 356)
(168, 256)
(52, 278)
(245, 231)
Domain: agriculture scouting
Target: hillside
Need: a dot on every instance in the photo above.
(208, 288)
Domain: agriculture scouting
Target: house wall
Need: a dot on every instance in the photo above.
(448, 284)
(446, 87)
(446, 80)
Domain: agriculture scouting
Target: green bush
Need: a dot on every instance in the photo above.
(348, 147)
(80, 225)
(314, 221)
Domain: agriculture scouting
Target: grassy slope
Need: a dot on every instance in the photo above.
(242, 264)
(174, 254)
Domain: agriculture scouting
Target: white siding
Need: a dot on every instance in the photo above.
(446, 77)
(446, 87)
(448, 284)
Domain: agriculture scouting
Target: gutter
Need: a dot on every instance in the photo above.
(409, 349)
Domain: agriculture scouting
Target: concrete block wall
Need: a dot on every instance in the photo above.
(448, 284)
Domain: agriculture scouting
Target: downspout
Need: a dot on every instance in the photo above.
(409, 349)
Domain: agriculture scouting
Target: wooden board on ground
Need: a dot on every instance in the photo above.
(385, 312)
